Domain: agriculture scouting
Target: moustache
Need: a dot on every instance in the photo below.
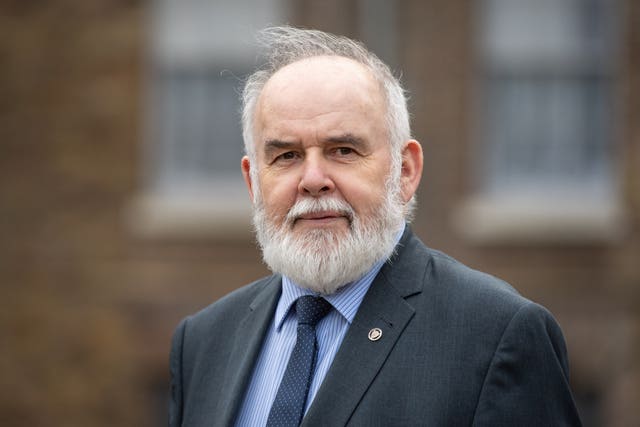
(312, 206)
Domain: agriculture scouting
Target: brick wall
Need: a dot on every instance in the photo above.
(88, 308)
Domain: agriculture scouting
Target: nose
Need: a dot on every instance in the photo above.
(315, 180)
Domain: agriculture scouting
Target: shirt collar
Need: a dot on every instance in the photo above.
(346, 300)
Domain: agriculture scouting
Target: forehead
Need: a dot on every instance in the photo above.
(320, 85)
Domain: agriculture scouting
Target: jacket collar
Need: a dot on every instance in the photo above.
(360, 358)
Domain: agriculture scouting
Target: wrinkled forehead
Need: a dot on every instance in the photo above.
(321, 82)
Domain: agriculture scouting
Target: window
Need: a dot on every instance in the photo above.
(546, 111)
(200, 52)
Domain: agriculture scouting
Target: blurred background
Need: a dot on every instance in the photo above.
(122, 207)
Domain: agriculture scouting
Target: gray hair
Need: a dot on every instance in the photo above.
(286, 45)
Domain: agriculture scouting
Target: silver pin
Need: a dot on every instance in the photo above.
(375, 334)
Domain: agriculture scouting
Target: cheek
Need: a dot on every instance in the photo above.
(278, 195)
(365, 196)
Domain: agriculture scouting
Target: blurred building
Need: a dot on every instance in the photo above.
(122, 206)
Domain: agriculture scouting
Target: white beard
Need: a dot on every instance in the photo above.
(325, 260)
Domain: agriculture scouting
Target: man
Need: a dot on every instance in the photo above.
(402, 335)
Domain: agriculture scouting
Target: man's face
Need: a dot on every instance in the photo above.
(320, 131)
(326, 208)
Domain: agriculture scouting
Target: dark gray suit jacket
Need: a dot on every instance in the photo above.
(458, 348)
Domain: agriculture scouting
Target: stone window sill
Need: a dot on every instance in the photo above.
(190, 216)
(520, 220)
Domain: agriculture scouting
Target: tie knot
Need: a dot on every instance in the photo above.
(310, 309)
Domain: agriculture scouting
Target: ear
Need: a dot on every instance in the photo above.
(411, 169)
(245, 164)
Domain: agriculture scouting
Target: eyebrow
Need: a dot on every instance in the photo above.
(348, 138)
(272, 145)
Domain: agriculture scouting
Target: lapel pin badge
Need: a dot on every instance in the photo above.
(375, 334)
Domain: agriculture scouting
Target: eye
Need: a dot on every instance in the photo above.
(345, 151)
(345, 154)
(286, 156)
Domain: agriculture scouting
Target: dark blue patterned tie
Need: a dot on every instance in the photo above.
(288, 407)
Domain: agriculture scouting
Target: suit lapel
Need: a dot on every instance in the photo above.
(360, 359)
(246, 349)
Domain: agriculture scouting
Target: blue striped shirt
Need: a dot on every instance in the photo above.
(281, 338)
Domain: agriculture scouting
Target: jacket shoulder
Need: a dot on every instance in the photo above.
(457, 287)
(230, 306)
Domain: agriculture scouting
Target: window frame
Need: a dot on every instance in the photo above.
(492, 217)
(218, 206)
